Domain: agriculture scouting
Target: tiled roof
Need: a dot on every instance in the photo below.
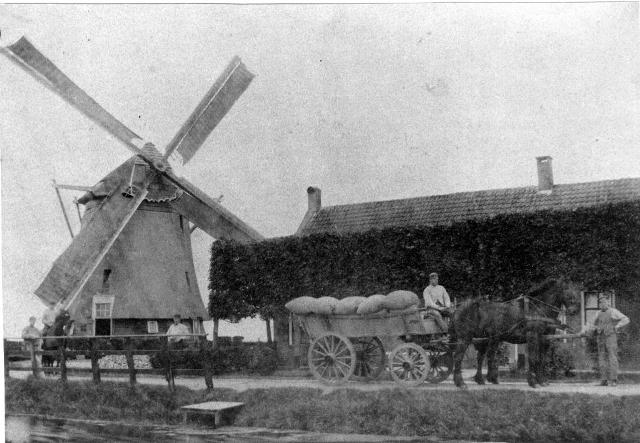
(450, 208)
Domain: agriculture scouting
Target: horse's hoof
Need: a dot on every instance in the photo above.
(495, 382)
(479, 380)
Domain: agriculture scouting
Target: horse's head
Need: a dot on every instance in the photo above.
(557, 293)
(569, 296)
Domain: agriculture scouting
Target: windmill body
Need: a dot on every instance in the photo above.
(130, 268)
(148, 274)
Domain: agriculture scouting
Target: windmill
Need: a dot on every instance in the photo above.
(130, 267)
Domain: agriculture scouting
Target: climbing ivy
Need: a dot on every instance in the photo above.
(598, 247)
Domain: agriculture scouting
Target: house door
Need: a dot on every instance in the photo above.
(103, 326)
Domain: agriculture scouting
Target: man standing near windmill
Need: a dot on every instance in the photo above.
(176, 332)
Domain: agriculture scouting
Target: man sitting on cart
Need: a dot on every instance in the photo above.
(437, 302)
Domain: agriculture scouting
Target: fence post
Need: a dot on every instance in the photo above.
(34, 360)
(95, 366)
(206, 359)
(167, 363)
(63, 363)
(130, 362)
(525, 307)
(6, 359)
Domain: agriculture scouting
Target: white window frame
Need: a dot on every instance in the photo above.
(101, 300)
(151, 325)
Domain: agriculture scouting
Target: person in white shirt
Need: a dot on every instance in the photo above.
(437, 301)
(605, 326)
(177, 331)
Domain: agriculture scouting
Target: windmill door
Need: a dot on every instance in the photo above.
(103, 326)
(102, 315)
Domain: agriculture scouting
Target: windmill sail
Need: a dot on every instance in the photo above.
(212, 108)
(209, 215)
(25, 55)
(73, 268)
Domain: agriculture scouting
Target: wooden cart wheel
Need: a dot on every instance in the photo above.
(332, 358)
(409, 364)
(441, 362)
(370, 357)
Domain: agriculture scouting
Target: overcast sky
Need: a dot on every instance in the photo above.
(366, 102)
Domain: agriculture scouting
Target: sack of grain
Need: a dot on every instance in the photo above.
(372, 304)
(349, 305)
(326, 305)
(400, 300)
(302, 305)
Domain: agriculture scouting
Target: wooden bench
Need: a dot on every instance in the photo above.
(210, 408)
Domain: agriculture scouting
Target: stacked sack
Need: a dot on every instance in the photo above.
(395, 300)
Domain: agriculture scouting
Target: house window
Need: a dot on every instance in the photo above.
(152, 327)
(103, 310)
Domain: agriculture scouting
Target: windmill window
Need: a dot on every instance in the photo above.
(181, 223)
(105, 279)
(103, 310)
(152, 327)
(186, 274)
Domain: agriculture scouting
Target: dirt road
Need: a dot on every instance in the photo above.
(241, 384)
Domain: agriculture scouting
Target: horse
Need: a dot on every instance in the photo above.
(486, 324)
(59, 328)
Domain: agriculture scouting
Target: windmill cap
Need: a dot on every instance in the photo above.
(433, 274)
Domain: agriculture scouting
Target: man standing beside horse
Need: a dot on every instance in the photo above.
(605, 326)
(437, 301)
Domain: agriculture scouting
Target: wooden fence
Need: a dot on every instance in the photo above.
(168, 353)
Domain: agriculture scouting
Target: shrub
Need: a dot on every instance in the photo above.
(258, 358)
(561, 360)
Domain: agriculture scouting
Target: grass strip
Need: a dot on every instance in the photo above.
(479, 415)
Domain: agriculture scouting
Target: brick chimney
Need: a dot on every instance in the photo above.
(315, 201)
(545, 174)
(315, 204)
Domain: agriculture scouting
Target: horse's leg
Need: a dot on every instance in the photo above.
(533, 354)
(492, 367)
(458, 355)
(481, 349)
(544, 348)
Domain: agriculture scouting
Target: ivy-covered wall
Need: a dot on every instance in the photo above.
(597, 247)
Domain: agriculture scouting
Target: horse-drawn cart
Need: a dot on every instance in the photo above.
(344, 347)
